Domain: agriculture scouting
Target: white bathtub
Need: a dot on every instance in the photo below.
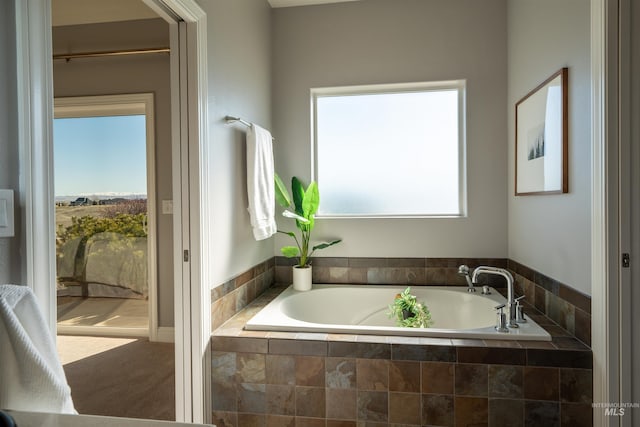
(360, 309)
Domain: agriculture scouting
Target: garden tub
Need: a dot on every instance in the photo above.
(362, 309)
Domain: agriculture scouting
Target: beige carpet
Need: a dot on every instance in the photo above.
(121, 377)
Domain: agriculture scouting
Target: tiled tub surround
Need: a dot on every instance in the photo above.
(233, 295)
(305, 379)
(570, 309)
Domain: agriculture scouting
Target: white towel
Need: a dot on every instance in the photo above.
(260, 185)
(31, 375)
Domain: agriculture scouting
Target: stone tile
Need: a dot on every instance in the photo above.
(368, 262)
(298, 347)
(576, 385)
(437, 410)
(426, 353)
(569, 343)
(471, 411)
(338, 275)
(342, 403)
(310, 402)
(559, 358)
(252, 398)
(404, 408)
(310, 422)
(538, 414)
(435, 276)
(541, 383)
(576, 415)
(357, 275)
(404, 376)
(223, 388)
(575, 298)
(224, 419)
(252, 420)
(492, 355)
(373, 406)
(341, 423)
(561, 312)
(583, 326)
(340, 373)
(280, 421)
(359, 350)
(251, 368)
(372, 374)
(437, 377)
(471, 380)
(281, 370)
(310, 371)
(281, 399)
(506, 413)
(240, 345)
(540, 299)
(506, 381)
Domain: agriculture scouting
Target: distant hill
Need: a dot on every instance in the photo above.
(100, 196)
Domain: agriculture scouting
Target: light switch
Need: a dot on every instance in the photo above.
(167, 207)
(6, 213)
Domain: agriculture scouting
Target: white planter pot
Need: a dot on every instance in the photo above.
(302, 278)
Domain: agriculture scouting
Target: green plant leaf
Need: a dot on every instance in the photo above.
(290, 251)
(311, 200)
(326, 245)
(282, 195)
(295, 216)
(298, 195)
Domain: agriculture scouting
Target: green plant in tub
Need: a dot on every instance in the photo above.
(305, 204)
(409, 312)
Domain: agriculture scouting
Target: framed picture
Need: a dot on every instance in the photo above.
(542, 138)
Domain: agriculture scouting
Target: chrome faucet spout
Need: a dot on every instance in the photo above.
(511, 303)
(464, 270)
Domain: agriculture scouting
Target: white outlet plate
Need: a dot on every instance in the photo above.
(167, 207)
(6, 213)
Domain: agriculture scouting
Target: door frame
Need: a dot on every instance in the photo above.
(34, 89)
(117, 105)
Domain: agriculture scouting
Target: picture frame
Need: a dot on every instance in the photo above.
(541, 138)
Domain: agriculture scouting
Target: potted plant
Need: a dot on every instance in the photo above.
(302, 207)
(409, 313)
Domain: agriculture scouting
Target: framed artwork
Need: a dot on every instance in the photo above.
(542, 138)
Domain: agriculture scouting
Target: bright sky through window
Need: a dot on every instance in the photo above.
(390, 153)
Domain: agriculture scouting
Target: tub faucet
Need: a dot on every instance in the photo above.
(511, 302)
(464, 270)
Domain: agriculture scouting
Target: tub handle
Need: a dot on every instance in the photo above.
(501, 319)
(519, 314)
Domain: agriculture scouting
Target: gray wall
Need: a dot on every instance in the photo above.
(552, 234)
(239, 52)
(11, 267)
(392, 41)
(122, 75)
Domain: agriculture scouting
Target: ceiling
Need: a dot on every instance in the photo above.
(75, 12)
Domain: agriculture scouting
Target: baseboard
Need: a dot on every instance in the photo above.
(165, 334)
(101, 331)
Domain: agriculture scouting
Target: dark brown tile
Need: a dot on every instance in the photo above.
(224, 418)
(330, 262)
(357, 275)
(492, 355)
(281, 399)
(404, 376)
(506, 381)
(538, 414)
(541, 383)
(540, 299)
(340, 372)
(251, 398)
(341, 423)
(360, 350)
(569, 343)
(436, 276)
(575, 298)
(252, 420)
(471, 380)
(583, 326)
(537, 344)
(280, 421)
(576, 415)
(559, 358)
(373, 406)
(251, 368)
(368, 262)
(561, 312)
(506, 412)
(281, 370)
(310, 422)
(310, 371)
(240, 345)
(244, 277)
(223, 387)
(298, 347)
(424, 353)
(404, 408)
(437, 410)
(310, 402)
(342, 403)
(576, 385)
(437, 377)
(372, 374)
(471, 411)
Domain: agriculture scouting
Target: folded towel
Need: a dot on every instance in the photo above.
(260, 185)
(31, 375)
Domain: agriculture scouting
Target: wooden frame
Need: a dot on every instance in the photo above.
(541, 163)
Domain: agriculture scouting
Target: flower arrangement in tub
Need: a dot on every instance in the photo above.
(409, 312)
(305, 204)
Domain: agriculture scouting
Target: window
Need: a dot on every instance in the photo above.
(390, 150)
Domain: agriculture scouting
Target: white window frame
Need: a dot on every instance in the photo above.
(459, 85)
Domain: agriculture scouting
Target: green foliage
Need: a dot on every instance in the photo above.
(126, 225)
(305, 205)
(410, 313)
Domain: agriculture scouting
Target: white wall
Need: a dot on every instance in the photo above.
(121, 75)
(11, 266)
(239, 50)
(551, 234)
(380, 41)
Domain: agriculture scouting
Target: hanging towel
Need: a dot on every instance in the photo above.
(31, 375)
(260, 185)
